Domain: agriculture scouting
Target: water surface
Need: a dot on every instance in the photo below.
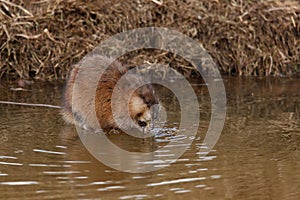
(256, 157)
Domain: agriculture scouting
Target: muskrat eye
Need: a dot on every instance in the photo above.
(142, 123)
(139, 114)
(147, 102)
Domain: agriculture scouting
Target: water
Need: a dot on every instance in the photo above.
(256, 157)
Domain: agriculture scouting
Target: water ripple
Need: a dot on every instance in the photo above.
(77, 161)
(182, 191)
(100, 183)
(19, 183)
(47, 165)
(10, 163)
(49, 152)
(111, 188)
(136, 196)
(184, 180)
(8, 157)
(61, 172)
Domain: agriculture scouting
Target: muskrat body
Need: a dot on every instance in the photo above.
(88, 97)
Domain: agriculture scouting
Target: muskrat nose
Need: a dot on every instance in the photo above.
(142, 123)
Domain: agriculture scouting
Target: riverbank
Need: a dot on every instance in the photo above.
(43, 39)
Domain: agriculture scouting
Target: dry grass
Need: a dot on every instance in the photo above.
(41, 39)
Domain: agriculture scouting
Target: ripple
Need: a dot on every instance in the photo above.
(10, 163)
(215, 176)
(111, 188)
(182, 191)
(81, 177)
(162, 151)
(61, 147)
(200, 186)
(40, 191)
(175, 189)
(48, 152)
(93, 183)
(207, 158)
(177, 145)
(138, 177)
(202, 169)
(165, 155)
(153, 162)
(77, 162)
(136, 196)
(176, 181)
(183, 159)
(100, 183)
(161, 166)
(8, 157)
(46, 165)
(20, 183)
(60, 172)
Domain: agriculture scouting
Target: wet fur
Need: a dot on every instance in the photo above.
(84, 96)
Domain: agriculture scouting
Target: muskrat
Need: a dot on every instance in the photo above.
(78, 96)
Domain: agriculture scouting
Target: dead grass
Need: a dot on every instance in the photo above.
(41, 39)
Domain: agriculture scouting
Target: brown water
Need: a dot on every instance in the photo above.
(256, 157)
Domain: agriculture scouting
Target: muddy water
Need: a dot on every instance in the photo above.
(256, 157)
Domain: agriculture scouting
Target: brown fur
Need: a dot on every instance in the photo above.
(79, 97)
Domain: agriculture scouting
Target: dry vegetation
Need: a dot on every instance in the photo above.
(42, 38)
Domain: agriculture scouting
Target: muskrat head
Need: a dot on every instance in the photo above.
(143, 107)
